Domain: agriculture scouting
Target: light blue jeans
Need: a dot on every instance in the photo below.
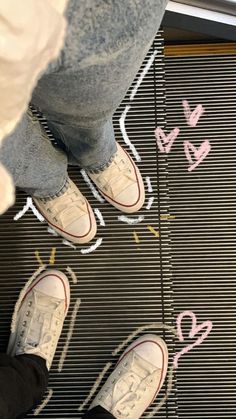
(78, 94)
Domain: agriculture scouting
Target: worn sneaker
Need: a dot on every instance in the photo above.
(121, 183)
(136, 380)
(69, 214)
(40, 317)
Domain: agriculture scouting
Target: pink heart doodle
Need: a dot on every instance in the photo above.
(192, 117)
(164, 141)
(194, 331)
(199, 153)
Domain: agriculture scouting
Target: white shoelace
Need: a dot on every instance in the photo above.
(114, 178)
(62, 203)
(136, 382)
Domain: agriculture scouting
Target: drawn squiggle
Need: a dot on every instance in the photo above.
(127, 108)
(29, 205)
(52, 231)
(150, 202)
(69, 244)
(99, 216)
(93, 247)
(143, 74)
(125, 135)
(72, 275)
(95, 386)
(149, 185)
(91, 186)
(44, 402)
(128, 220)
(69, 335)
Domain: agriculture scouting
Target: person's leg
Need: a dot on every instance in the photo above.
(23, 381)
(35, 165)
(105, 45)
(36, 328)
(135, 381)
(41, 171)
(98, 412)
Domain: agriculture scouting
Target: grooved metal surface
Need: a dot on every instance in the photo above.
(203, 231)
(122, 285)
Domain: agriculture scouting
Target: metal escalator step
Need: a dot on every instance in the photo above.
(203, 231)
(122, 284)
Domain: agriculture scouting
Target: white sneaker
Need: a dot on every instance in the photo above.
(69, 214)
(40, 316)
(121, 183)
(136, 380)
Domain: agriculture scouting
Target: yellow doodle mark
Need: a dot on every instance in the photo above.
(153, 231)
(166, 217)
(38, 258)
(51, 259)
(52, 256)
(136, 237)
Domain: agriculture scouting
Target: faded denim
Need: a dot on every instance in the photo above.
(105, 45)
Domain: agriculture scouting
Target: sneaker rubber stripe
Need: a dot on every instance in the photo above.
(64, 231)
(139, 192)
(162, 370)
(45, 276)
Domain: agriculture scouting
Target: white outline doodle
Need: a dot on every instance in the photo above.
(93, 247)
(69, 334)
(130, 221)
(29, 205)
(91, 186)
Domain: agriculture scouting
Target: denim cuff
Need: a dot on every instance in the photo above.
(100, 168)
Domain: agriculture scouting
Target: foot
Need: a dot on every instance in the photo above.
(136, 380)
(69, 214)
(40, 317)
(121, 183)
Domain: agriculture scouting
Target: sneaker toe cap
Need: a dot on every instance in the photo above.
(132, 198)
(55, 284)
(83, 229)
(154, 350)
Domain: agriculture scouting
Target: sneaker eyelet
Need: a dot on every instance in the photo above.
(24, 323)
(27, 313)
(30, 303)
(22, 333)
(125, 364)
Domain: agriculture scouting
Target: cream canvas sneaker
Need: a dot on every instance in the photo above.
(69, 214)
(40, 317)
(136, 379)
(121, 183)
